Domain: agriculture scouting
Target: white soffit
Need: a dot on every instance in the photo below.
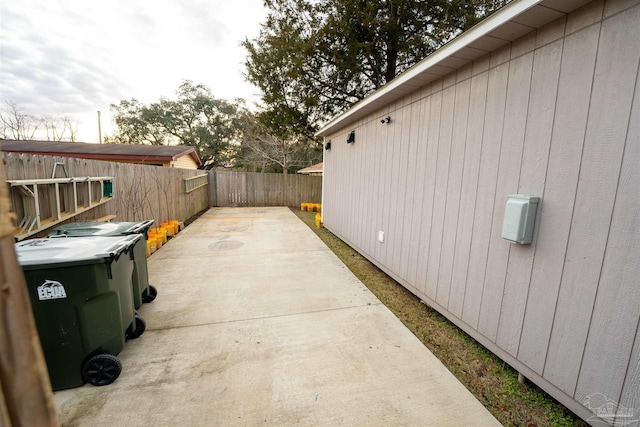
(508, 24)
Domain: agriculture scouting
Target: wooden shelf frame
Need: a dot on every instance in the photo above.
(195, 182)
(46, 202)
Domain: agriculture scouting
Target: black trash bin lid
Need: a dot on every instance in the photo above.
(76, 229)
(35, 254)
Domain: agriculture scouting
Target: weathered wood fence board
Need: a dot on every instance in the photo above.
(262, 189)
(140, 191)
(150, 192)
(25, 392)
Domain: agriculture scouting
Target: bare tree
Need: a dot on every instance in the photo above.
(17, 124)
(136, 198)
(59, 128)
(261, 148)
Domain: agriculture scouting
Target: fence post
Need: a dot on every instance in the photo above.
(26, 398)
(213, 189)
(285, 195)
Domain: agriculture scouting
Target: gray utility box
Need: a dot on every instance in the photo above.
(519, 218)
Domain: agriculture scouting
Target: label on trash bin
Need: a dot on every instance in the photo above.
(51, 289)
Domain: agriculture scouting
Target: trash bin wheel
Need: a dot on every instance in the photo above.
(151, 294)
(140, 326)
(102, 369)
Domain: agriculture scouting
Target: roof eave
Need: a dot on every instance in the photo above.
(195, 157)
(99, 156)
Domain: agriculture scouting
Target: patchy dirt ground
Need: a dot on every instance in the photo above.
(491, 380)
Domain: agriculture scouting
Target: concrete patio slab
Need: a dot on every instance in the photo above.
(257, 322)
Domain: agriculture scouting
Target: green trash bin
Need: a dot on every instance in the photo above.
(80, 292)
(143, 292)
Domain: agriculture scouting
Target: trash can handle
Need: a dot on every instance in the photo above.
(138, 227)
(114, 252)
(122, 246)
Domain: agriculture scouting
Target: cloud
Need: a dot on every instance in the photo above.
(77, 57)
(53, 78)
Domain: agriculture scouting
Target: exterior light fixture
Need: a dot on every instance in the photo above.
(352, 137)
(385, 120)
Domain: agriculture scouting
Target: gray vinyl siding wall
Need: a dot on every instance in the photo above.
(555, 114)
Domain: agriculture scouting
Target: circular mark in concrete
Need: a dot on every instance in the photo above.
(234, 228)
(225, 245)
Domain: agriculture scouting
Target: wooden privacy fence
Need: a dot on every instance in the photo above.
(140, 192)
(262, 189)
(143, 192)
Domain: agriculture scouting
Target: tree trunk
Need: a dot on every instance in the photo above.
(393, 44)
(285, 166)
(26, 398)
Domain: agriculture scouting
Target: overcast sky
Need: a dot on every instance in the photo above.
(76, 57)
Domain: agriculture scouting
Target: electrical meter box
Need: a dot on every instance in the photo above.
(519, 216)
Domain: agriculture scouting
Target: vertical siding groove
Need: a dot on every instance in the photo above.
(440, 193)
(433, 139)
(457, 226)
(396, 169)
(492, 205)
(467, 288)
(629, 396)
(410, 191)
(381, 158)
(423, 149)
(470, 197)
(406, 184)
(486, 287)
(371, 173)
(453, 193)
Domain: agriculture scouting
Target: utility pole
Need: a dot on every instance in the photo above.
(99, 129)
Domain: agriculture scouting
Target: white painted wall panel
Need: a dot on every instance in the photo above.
(512, 135)
(611, 333)
(401, 204)
(614, 82)
(470, 171)
(368, 228)
(554, 115)
(418, 220)
(489, 160)
(533, 169)
(440, 194)
(387, 196)
(578, 62)
(407, 220)
(454, 183)
(381, 158)
(429, 187)
(630, 398)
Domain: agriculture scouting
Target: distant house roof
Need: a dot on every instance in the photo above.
(513, 21)
(113, 152)
(316, 169)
